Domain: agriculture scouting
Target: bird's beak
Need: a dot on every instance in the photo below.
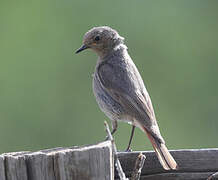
(83, 47)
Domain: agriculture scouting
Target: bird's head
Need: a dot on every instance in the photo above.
(101, 39)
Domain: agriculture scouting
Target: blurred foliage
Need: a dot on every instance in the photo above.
(46, 97)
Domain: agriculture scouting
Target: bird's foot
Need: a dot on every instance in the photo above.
(128, 149)
(106, 138)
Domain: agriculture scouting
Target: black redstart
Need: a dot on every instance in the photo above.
(120, 91)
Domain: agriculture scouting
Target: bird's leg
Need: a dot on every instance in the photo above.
(130, 140)
(114, 128)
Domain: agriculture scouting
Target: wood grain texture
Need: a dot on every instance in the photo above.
(193, 164)
(2, 168)
(178, 176)
(15, 166)
(40, 166)
(94, 162)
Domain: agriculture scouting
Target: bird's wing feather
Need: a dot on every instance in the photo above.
(122, 84)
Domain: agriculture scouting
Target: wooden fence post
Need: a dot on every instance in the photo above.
(96, 162)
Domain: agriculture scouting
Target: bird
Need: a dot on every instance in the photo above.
(120, 91)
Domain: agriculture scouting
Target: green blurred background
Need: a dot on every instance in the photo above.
(46, 97)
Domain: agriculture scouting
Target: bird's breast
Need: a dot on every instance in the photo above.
(106, 103)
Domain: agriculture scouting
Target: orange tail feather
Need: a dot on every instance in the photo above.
(165, 158)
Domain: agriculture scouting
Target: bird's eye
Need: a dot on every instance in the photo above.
(97, 38)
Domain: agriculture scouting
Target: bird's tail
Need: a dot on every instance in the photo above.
(165, 158)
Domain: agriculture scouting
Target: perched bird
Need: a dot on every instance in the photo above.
(120, 91)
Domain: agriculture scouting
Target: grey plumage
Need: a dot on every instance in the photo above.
(119, 88)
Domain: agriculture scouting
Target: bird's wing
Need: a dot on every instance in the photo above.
(124, 84)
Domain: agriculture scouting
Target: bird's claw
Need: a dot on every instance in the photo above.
(128, 149)
(106, 138)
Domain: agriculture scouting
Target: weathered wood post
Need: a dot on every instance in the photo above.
(93, 162)
(96, 162)
(194, 164)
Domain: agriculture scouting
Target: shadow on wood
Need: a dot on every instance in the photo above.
(194, 164)
(95, 162)
(88, 162)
